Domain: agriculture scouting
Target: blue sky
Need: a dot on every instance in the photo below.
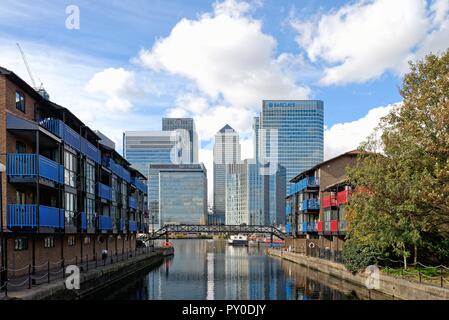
(130, 63)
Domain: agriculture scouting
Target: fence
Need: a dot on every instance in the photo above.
(30, 276)
(328, 254)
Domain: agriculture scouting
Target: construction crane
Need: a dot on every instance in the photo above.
(40, 89)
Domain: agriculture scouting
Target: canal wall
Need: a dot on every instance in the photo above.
(394, 287)
(94, 280)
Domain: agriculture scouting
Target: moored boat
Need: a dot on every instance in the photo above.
(238, 240)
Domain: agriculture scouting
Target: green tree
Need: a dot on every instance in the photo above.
(402, 181)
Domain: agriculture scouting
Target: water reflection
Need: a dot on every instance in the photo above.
(208, 269)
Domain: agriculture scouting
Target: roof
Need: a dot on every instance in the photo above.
(226, 128)
(319, 165)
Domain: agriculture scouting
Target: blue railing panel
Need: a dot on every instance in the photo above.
(50, 170)
(83, 221)
(51, 217)
(90, 151)
(288, 228)
(308, 182)
(303, 227)
(104, 191)
(55, 126)
(132, 226)
(21, 164)
(310, 204)
(132, 203)
(288, 210)
(139, 184)
(22, 215)
(72, 138)
(104, 223)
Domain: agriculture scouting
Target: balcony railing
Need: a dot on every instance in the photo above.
(334, 225)
(104, 191)
(310, 205)
(308, 182)
(72, 138)
(132, 225)
(83, 217)
(329, 201)
(116, 169)
(33, 165)
(104, 223)
(288, 210)
(132, 203)
(25, 216)
(343, 196)
(303, 227)
(319, 226)
(139, 184)
(312, 227)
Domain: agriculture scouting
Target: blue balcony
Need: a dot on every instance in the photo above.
(288, 210)
(25, 216)
(303, 227)
(28, 165)
(63, 131)
(139, 184)
(288, 228)
(104, 192)
(132, 225)
(132, 203)
(104, 223)
(90, 151)
(308, 182)
(83, 221)
(310, 205)
(117, 169)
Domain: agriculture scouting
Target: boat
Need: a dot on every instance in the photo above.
(238, 240)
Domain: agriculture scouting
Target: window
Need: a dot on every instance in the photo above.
(86, 240)
(70, 208)
(70, 169)
(49, 242)
(71, 241)
(20, 147)
(20, 197)
(20, 101)
(89, 209)
(20, 244)
(90, 178)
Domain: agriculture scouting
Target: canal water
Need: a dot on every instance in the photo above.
(211, 269)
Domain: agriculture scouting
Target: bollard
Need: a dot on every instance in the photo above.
(29, 276)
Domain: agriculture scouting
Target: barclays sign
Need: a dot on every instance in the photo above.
(272, 104)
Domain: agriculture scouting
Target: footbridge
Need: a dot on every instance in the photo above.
(234, 229)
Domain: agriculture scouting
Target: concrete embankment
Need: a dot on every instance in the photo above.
(94, 280)
(397, 288)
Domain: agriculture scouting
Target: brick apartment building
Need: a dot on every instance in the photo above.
(65, 193)
(315, 203)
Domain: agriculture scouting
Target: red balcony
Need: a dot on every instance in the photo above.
(329, 201)
(320, 226)
(334, 225)
(343, 196)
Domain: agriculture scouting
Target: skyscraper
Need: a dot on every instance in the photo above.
(226, 151)
(290, 134)
(170, 124)
(141, 148)
(181, 193)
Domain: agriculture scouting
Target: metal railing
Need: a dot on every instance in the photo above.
(31, 276)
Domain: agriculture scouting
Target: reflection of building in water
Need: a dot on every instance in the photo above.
(210, 276)
(236, 270)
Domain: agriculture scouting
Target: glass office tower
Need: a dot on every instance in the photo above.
(291, 134)
(170, 124)
(226, 151)
(182, 193)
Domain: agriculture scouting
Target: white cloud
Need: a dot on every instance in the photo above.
(364, 39)
(115, 84)
(231, 62)
(343, 137)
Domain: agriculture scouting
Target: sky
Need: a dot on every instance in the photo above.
(128, 64)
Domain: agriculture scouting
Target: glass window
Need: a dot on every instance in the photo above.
(20, 197)
(89, 209)
(115, 189)
(20, 147)
(20, 101)
(69, 169)
(20, 244)
(86, 240)
(49, 242)
(71, 241)
(70, 208)
(90, 178)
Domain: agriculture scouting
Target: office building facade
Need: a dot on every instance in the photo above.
(226, 151)
(181, 193)
(65, 193)
(187, 124)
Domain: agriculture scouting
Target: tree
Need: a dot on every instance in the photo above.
(402, 181)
